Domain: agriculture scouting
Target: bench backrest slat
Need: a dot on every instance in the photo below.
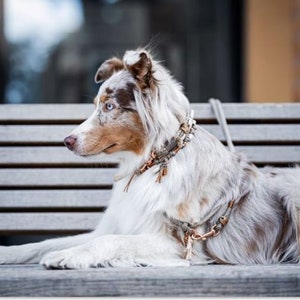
(54, 222)
(74, 113)
(54, 199)
(54, 134)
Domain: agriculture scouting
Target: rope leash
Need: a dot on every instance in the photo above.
(189, 230)
(219, 113)
(191, 234)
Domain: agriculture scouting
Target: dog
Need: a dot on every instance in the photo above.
(179, 197)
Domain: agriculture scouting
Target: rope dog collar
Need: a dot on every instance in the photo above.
(162, 157)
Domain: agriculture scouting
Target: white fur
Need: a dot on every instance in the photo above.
(202, 178)
(131, 57)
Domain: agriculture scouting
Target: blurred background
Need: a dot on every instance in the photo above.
(236, 50)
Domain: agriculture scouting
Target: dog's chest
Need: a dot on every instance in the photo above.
(138, 210)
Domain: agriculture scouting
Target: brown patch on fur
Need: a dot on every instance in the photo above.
(183, 210)
(287, 233)
(260, 231)
(114, 138)
(108, 91)
(125, 96)
(108, 68)
(104, 97)
(252, 247)
(204, 202)
(176, 235)
(241, 203)
(142, 71)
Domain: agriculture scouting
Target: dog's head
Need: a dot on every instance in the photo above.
(124, 107)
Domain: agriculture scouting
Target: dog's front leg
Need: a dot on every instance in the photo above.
(119, 251)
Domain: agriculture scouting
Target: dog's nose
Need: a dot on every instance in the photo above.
(70, 141)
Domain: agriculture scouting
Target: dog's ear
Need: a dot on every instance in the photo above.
(139, 64)
(108, 68)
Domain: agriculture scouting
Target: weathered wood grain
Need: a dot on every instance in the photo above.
(61, 156)
(55, 134)
(78, 112)
(49, 155)
(45, 112)
(271, 154)
(40, 177)
(65, 222)
(196, 281)
(28, 134)
(51, 199)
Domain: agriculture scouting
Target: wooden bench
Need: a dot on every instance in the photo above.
(45, 190)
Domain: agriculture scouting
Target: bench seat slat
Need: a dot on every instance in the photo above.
(195, 281)
(78, 112)
(61, 156)
(23, 222)
(54, 198)
(55, 134)
(56, 177)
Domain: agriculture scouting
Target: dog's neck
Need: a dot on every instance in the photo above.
(161, 157)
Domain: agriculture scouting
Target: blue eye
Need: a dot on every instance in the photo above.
(109, 106)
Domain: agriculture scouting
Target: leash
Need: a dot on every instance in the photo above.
(162, 156)
(189, 230)
(219, 113)
(191, 235)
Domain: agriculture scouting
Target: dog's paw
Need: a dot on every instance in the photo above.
(68, 259)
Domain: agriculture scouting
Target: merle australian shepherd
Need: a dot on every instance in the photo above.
(179, 197)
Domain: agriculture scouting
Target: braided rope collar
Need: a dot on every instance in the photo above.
(162, 156)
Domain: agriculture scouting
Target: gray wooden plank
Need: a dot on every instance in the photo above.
(45, 112)
(54, 198)
(39, 177)
(43, 134)
(78, 112)
(258, 133)
(194, 281)
(62, 221)
(52, 155)
(34, 133)
(271, 154)
(250, 111)
(49, 155)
